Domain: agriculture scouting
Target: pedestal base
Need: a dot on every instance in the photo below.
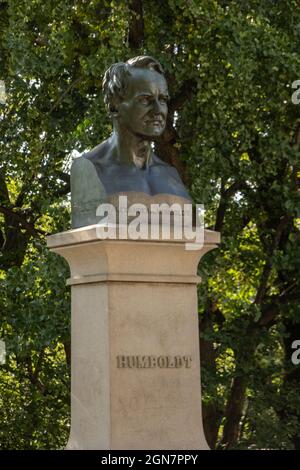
(135, 344)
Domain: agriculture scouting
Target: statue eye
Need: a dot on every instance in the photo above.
(144, 100)
(163, 99)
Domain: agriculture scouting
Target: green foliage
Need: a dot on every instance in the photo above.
(235, 139)
(34, 382)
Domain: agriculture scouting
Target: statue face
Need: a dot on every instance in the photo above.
(144, 108)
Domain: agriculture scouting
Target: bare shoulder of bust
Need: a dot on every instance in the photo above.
(87, 192)
(100, 153)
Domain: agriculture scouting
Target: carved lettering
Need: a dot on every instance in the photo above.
(153, 362)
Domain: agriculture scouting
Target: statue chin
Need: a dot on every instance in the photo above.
(150, 133)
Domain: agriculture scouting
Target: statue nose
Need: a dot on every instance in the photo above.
(157, 107)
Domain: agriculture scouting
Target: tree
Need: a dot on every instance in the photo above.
(233, 133)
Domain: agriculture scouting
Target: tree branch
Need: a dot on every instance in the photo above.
(65, 93)
(185, 93)
(225, 195)
(136, 25)
(262, 289)
(21, 218)
(4, 196)
(33, 375)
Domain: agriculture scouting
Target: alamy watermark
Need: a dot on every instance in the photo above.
(154, 222)
(2, 92)
(296, 94)
(296, 354)
(2, 352)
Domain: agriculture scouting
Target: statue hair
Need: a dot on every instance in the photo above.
(116, 77)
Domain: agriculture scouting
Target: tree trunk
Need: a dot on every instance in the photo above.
(234, 412)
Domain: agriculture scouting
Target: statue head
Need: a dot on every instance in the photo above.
(136, 96)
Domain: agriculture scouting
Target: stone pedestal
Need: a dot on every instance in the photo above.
(135, 344)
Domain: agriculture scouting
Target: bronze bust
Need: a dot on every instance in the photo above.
(136, 96)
